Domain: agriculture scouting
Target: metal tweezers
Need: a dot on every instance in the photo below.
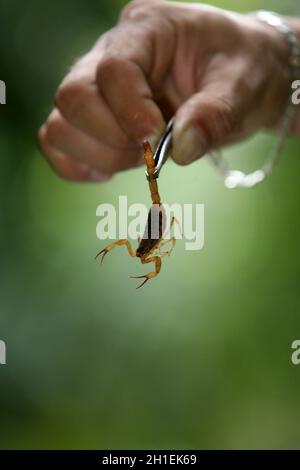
(162, 150)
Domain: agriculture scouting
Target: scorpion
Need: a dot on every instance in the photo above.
(148, 250)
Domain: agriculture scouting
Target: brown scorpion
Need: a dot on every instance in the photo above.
(149, 247)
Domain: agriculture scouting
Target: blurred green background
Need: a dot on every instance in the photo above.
(200, 357)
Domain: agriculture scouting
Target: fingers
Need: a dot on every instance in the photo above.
(106, 107)
(107, 94)
(65, 166)
(80, 103)
(85, 149)
(137, 114)
(78, 157)
(204, 121)
(123, 76)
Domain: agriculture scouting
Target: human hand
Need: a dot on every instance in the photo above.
(223, 75)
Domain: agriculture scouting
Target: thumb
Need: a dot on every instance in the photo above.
(203, 122)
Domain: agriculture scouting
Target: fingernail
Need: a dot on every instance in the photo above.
(189, 143)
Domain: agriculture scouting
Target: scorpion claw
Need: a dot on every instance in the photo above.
(103, 253)
(141, 277)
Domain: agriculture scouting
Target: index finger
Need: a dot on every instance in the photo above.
(123, 81)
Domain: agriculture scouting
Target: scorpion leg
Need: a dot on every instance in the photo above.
(113, 245)
(172, 239)
(173, 220)
(165, 242)
(153, 259)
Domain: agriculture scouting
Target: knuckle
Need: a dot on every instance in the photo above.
(69, 97)
(52, 129)
(109, 67)
(137, 9)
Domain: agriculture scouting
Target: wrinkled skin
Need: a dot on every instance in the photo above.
(223, 75)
